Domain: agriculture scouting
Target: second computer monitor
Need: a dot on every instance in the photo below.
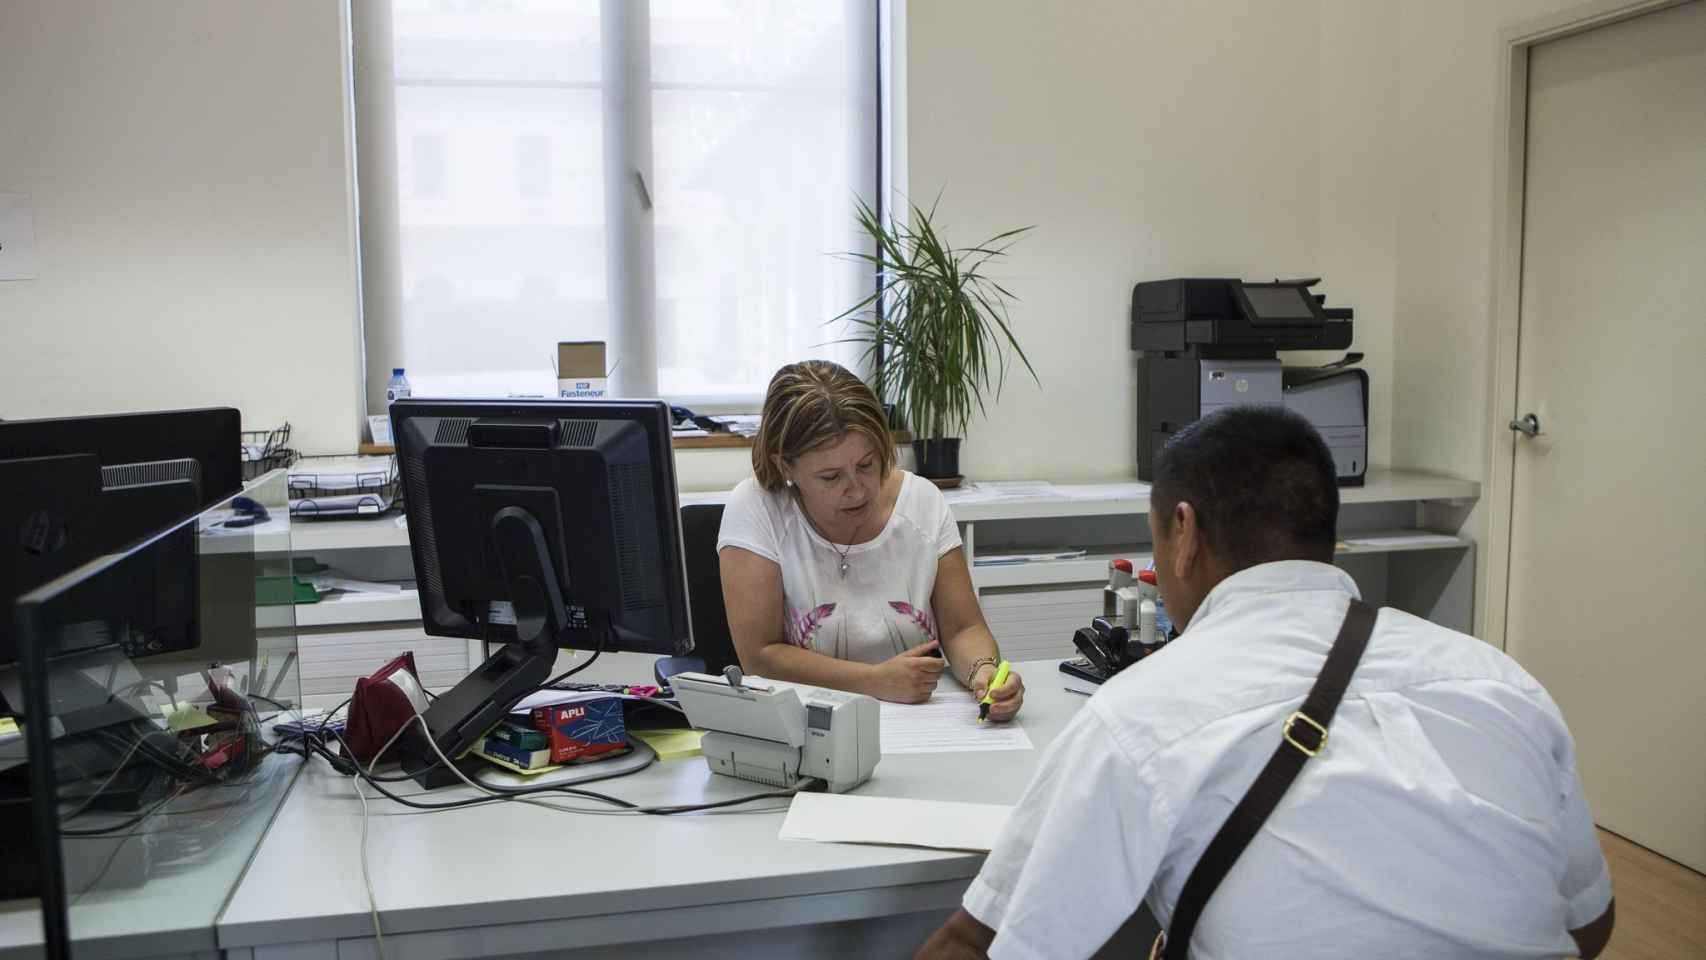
(597, 478)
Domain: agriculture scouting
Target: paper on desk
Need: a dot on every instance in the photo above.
(328, 581)
(845, 818)
(552, 698)
(1017, 488)
(1103, 491)
(1005, 559)
(946, 723)
(1403, 540)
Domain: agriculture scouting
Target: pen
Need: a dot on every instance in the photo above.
(989, 695)
(1084, 693)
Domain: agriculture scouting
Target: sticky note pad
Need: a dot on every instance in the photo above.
(185, 716)
(671, 744)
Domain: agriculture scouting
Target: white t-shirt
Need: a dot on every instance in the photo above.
(881, 607)
(1444, 818)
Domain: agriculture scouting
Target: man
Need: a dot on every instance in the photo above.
(1443, 818)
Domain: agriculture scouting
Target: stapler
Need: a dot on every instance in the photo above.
(780, 733)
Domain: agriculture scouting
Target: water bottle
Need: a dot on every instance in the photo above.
(1163, 623)
(398, 388)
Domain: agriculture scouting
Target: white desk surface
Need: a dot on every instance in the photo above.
(191, 867)
(608, 879)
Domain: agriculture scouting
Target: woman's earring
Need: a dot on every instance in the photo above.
(788, 482)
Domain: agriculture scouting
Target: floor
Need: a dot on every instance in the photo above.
(1661, 905)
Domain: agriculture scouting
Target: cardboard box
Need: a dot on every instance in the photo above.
(583, 729)
(581, 370)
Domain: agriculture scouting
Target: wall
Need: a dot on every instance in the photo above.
(193, 215)
(1444, 108)
(1145, 140)
(188, 169)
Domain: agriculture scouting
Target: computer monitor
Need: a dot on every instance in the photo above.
(541, 524)
(75, 488)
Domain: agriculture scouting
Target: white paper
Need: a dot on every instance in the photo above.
(1404, 540)
(946, 723)
(971, 494)
(846, 818)
(17, 237)
(553, 698)
(1018, 488)
(380, 428)
(323, 582)
(1104, 491)
(1007, 559)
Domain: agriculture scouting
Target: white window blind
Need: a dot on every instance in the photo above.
(764, 130)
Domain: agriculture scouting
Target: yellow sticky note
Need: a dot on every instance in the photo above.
(8, 727)
(671, 744)
(186, 716)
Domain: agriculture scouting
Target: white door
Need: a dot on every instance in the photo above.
(1607, 603)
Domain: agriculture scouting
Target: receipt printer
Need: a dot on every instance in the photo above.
(780, 733)
(1209, 344)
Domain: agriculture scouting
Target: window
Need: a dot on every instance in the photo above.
(764, 130)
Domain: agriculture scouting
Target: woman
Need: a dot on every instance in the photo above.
(840, 570)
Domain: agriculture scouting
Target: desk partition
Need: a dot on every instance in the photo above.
(160, 671)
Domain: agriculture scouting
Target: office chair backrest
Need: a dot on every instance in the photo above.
(700, 523)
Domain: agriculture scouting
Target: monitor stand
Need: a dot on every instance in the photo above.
(462, 716)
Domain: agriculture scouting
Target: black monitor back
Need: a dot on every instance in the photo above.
(598, 476)
(75, 488)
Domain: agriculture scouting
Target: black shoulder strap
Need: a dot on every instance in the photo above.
(1303, 735)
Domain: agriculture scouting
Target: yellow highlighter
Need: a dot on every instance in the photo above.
(988, 696)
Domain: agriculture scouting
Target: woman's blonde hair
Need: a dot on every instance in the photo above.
(811, 404)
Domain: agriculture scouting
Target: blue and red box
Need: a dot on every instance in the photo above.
(582, 729)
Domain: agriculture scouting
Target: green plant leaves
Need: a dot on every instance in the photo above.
(940, 340)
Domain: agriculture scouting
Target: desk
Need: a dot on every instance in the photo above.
(184, 873)
(511, 878)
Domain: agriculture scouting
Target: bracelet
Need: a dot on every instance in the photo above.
(977, 665)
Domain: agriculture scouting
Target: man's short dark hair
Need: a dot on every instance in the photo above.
(1261, 480)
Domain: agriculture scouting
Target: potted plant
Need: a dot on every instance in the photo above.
(935, 331)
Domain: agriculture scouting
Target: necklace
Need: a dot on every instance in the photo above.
(843, 553)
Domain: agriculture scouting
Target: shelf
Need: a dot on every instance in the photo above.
(1093, 567)
(734, 441)
(1357, 549)
(1085, 569)
(1382, 486)
(344, 608)
(310, 536)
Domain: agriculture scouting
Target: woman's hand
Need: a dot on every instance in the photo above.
(909, 677)
(1006, 698)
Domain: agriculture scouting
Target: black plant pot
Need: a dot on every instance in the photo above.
(938, 459)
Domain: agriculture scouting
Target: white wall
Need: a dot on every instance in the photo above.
(1442, 177)
(188, 166)
(1146, 140)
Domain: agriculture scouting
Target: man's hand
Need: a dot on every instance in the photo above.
(909, 677)
(1007, 697)
(961, 938)
(1591, 939)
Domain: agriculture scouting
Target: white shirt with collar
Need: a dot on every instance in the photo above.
(1445, 817)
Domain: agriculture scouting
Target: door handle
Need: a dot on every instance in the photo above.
(1528, 425)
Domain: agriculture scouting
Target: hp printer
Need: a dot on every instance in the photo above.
(1208, 344)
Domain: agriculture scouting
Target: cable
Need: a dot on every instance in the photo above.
(629, 807)
(366, 874)
(566, 674)
(117, 769)
(133, 821)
